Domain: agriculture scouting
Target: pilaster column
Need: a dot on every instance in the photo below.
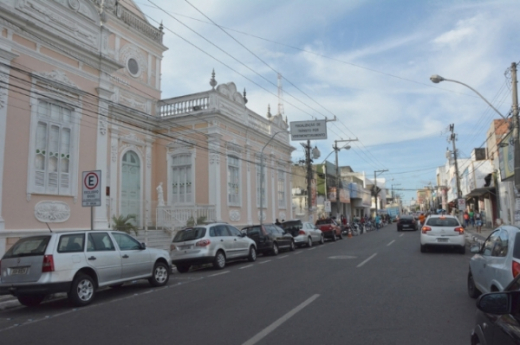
(214, 173)
(101, 219)
(5, 58)
(248, 201)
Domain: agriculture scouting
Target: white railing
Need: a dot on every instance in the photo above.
(183, 105)
(172, 217)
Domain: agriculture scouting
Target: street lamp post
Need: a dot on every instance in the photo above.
(262, 177)
(375, 186)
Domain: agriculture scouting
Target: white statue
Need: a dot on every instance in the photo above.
(160, 195)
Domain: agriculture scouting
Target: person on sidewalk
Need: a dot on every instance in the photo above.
(472, 218)
(466, 218)
(478, 222)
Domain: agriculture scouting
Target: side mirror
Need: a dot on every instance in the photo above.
(475, 248)
(498, 303)
(143, 245)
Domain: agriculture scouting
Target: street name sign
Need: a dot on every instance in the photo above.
(91, 193)
(309, 130)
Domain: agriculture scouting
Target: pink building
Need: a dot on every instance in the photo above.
(80, 91)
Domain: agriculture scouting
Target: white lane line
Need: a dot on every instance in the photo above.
(401, 235)
(312, 248)
(263, 262)
(367, 260)
(281, 257)
(279, 322)
(389, 244)
(218, 274)
(245, 267)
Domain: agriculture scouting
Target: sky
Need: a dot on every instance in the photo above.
(365, 62)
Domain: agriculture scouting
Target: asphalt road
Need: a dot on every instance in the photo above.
(376, 288)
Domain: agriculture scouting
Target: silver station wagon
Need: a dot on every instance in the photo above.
(213, 243)
(78, 263)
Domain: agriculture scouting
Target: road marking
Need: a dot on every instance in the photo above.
(367, 260)
(263, 262)
(389, 244)
(245, 267)
(259, 336)
(298, 253)
(218, 274)
(312, 248)
(281, 257)
(401, 235)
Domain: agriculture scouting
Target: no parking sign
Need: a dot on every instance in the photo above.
(91, 183)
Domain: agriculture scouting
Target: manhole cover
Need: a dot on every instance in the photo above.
(340, 257)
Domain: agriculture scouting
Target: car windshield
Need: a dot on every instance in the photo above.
(189, 234)
(30, 246)
(324, 221)
(438, 221)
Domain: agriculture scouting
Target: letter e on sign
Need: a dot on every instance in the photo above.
(91, 193)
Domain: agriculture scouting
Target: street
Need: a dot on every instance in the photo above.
(376, 288)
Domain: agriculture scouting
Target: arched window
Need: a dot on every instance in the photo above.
(131, 185)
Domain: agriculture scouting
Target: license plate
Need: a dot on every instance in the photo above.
(19, 270)
(405, 225)
(442, 240)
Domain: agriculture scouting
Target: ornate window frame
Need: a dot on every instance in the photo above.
(281, 191)
(178, 148)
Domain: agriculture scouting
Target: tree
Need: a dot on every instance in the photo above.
(125, 223)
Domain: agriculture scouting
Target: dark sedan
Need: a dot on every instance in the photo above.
(498, 317)
(270, 238)
(406, 223)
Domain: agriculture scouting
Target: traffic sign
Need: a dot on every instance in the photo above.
(91, 188)
(309, 130)
(462, 204)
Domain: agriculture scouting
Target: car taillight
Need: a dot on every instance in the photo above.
(459, 229)
(48, 263)
(516, 268)
(202, 243)
(425, 229)
(301, 232)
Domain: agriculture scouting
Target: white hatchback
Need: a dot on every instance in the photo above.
(496, 262)
(442, 231)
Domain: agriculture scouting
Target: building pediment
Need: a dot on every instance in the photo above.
(229, 90)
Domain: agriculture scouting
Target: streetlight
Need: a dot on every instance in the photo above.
(262, 176)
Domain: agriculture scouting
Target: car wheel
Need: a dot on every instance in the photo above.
(423, 249)
(252, 254)
(473, 291)
(292, 247)
(82, 291)
(160, 275)
(275, 250)
(31, 300)
(220, 261)
(183, 268)
(322, 239)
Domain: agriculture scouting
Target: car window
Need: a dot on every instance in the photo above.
(279, 230)
(254, 231)
(219, 230)
(71, 243)
(189, 234)
(29, 246)
(487, 248)
(99, 242)
(126, 242)
(501, 244)
(234, 231)
(437, 221)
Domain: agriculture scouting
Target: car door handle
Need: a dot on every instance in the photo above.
(92, 258)
(125, 256)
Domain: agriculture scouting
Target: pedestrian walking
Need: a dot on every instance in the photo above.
(472, 218)
(478, 221)
(466, 218)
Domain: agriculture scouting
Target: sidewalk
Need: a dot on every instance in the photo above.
(474, 237)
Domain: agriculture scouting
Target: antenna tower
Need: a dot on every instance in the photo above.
(280, 95)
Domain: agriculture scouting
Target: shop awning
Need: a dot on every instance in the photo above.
(480, 191)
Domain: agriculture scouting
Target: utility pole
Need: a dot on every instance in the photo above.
(516, 124)
(375, 185)
(308, 163)
(336, 149)
(453, 138)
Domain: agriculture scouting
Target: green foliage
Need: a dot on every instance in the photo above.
(190, 222)
(125, 223)
(201, 219)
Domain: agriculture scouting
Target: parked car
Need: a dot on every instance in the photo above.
(406, 223)
(497, 321)
(214, 243)
(304, 233)
(329, 228)
(78, 263)
(496, 262)
(442, 231)
(270, 238)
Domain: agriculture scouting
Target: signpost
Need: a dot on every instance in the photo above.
(309, 130)
(91, 192)
(462, 204)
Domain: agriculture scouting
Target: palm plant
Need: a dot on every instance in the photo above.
(125, 223)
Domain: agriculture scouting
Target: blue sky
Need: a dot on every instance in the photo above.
(367, 62)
